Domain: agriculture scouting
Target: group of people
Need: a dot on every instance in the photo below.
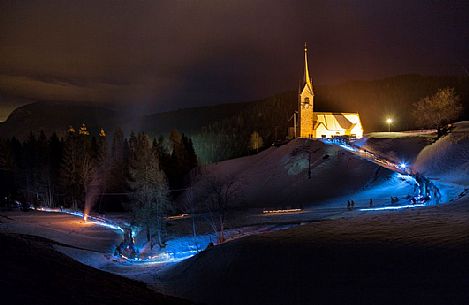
(127, 247)
(351, 204)
(426, 189)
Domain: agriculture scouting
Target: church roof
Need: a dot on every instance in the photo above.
(334, 121)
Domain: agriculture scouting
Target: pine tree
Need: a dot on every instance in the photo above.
(42, 183)
(117, 177)
(4, 152)
(54, 153)
(79, 166)
(7, 181)
(149, 189)
(182, 159)
(69, 171)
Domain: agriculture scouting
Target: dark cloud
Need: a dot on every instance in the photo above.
(170, 54)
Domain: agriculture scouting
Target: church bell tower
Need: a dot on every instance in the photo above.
(305, 101)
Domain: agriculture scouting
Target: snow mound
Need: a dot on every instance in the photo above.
(448, 158)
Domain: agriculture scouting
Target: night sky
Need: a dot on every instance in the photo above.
(158, 55)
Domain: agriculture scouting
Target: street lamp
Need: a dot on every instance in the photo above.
(389, 121)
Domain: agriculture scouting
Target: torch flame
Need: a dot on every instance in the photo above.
(85, 217)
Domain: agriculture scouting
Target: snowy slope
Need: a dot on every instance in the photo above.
(396, 149)
(415, 256)
(448, 158)
(33, 273)
(379, 257)
(278, 176)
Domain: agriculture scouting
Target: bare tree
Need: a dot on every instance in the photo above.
(190, 206)
(437, 110)
(221, 193)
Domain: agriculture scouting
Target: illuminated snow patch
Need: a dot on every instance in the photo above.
(89, 219)
(174, 256)
(392, 207)
(348, 147)
(287, 211)
(162, 258)
(180, 216)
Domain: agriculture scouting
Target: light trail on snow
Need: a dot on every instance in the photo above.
(89, 219)
(160, 258)
(407, 206)
(403, 169)
(285, 211)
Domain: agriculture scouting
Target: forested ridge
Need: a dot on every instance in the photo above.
(223, 131)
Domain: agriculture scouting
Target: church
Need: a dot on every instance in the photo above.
(323, 124)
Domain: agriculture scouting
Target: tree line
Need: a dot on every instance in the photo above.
(83, 170)
(257, 125)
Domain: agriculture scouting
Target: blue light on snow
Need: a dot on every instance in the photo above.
(179, 252)
(392, 207)
(403, 165)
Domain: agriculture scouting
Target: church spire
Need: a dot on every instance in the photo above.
(307, 79)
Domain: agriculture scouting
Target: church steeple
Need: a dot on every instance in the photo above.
(306, 103)
(307, 79)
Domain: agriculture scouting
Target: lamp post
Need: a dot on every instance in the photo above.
(389, 121)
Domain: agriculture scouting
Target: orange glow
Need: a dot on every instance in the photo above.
(85, 217)
(285, 211)
(180, 216)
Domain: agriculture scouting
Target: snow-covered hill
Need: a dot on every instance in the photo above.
(278, 176)
(386, 257)
(448, 158)
(396, 146)
(401, 257)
